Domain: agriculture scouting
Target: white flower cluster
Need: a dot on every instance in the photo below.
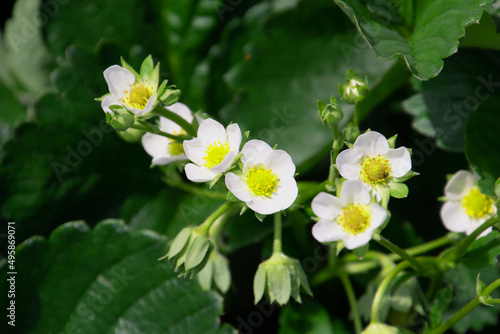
(266, 182)
(369, 167)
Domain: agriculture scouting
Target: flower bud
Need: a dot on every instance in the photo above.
(280, 278)
(355, 88)
(216, 273)
(190, 251)
(351, 132)
(120, 119)
(330, 114)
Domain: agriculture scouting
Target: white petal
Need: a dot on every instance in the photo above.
(460, 185)
(195, 150)
(378, 216)
(118, 79)
(328, 231)
(255, 151)
(355, 191)
(198, 173)
(281, 163)
(155, 145)
(358, 240)
(327, 206)
(238, 187)
(212, 131)
(149, 106)
(225, 163)
(167, 159)
(234, 137)
(371, 144)
(282, 199)
(349, 164)
(109, 101)
(454, 217)
(399, 160)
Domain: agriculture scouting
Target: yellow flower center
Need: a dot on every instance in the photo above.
(375, 170)
(261, 181)
(138, 95)
(477, 205)
(215, 154)
(354, 219)
(176, 148)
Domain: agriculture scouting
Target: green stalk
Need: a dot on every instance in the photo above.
(384, 286)
(402, 253)
(351, 297)
(159, 110)
(277, 233)
(156, 131)
(205, 226)
(473, 236)
(466, 309)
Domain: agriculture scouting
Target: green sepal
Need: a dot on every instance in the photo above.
(385, 193)
(497, 188)
(121, 119)
(260, 217)
(196, 252)
(222, 274)
(147, 68)
(179, 242)
(231, 198)
(131, 69)
(214, 180)
(102, 97)
(339, 246)
(484, 300)
(398, 190)
(407, 176)
(479, 285)
(259, 283)
(169, 96)
(161, 88)
(360, 252)
(244, 208)
(392, 141)
(205, 277)
(279, 283)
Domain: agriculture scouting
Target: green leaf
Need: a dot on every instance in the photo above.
(482, 35)
(424, 41)
(444, 103)
(440, 306)
(287, 63)
(310, 317)
(26, 54)
(11, 115)
(398, 190)
(463, 280)
(104, 281)
(483, 252)
(482, 137)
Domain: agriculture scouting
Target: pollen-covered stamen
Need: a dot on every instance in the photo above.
(354, 219)
(216, 152)
(261, 181)
(477, 205)
(138, 95)
(176, 148)
(375, 170)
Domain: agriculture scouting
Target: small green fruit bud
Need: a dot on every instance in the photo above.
(121, 119)
(381, 329)
(355, 88)
(330, 114)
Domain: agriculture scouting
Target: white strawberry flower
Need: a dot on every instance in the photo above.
(212, 151)
(466, 207)
(372, 161)
(165, 150)
(353, 217)
(266, 184)
(129, 91)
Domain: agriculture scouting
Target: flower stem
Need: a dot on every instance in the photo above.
(277, 233)
(157, 131)
(351, 297)
(472, 237)
(205, 226)
(196, 190)
(384, 286)
(466, 309)
(401, 252)
(159, 110)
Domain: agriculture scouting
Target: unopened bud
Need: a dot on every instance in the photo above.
(355, 88)
(330, 114)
